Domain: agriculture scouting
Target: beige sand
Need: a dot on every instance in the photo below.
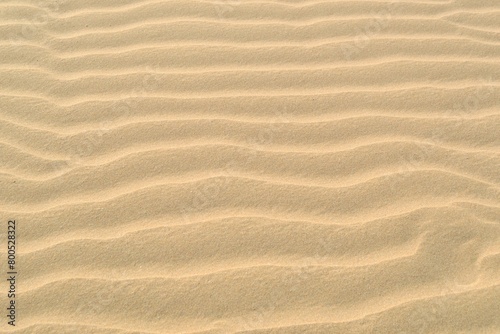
(277, 166)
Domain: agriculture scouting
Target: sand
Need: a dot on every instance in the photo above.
(278, 166)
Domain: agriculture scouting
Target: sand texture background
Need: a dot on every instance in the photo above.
(258, 166)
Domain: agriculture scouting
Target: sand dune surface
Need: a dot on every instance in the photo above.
(258, 167)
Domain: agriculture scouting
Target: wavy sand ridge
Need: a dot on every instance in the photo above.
(254, 167)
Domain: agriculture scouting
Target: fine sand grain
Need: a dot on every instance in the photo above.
(251, 166)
